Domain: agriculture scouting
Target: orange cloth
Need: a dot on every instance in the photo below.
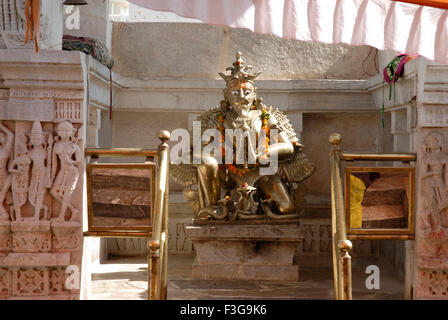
(32, 22)
(357, 188)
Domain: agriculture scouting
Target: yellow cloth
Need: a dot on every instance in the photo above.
(357, 188)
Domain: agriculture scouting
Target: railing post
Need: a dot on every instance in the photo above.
(157, 260)
(153, 270)
(164, 158)
(345, 269)
(341, 263)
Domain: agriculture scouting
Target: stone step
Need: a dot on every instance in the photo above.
(387, 190)
(383, 216)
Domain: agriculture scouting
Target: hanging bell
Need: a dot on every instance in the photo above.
(74, 3)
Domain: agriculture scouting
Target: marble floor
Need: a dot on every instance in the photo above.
(125, 279)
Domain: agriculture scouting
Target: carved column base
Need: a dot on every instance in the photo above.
(5, 237)
(67, 235)
(31, 236)
(35, 276)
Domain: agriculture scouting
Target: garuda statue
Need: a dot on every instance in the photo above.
(231, 190)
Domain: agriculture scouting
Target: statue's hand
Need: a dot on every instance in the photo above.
(262, 154)
(50, 140)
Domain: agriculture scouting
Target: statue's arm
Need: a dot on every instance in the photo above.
(77, 161)
(283, 148)
(12, 168)
(9, 134)
(54, 163)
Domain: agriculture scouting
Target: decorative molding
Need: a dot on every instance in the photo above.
(30, 282)
(58, 277)
(433, 115)
(31, 242)
(5, 282)
(46, 93)
(4, 94)
(70, 110)
(432, 284)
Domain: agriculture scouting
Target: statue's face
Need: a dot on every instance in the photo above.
(36, 139)
(434, 143)
(65, 130)
(241, 96)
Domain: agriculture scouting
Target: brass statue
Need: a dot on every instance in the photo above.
(247, 193)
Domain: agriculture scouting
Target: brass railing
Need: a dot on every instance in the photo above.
(158, 245)
(342, 272)
(342, 269)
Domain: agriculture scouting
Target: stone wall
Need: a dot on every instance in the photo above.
(200, 51)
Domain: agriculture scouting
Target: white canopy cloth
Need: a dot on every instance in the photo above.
(383, 24)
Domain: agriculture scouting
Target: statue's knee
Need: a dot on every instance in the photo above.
(208, 165)
(286, 207)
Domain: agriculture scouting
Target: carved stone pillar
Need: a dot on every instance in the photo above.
(431, 146)
(42, 111)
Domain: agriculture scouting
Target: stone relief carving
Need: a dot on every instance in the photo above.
(38, 165)
(68, 110)
(325, 238)
(30, 281)
(5, 281)
(434, 175)
(19, 169)
(309, 240)
(434, 283)
(5, 242)
(12, 23)
(40, 155)
(58, 276)
(69, 240)
(6, 145)
(31, 242)
(67, 154)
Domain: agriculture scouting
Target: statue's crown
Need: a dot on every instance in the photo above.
(239, 72)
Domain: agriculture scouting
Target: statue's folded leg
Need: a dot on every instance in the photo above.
(274, 188)
(209, 182)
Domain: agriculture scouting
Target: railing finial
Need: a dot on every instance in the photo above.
(164, 135)
(335, 139)
(345, 246)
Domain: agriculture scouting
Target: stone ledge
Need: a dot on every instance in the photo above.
(5, 227)
(30, 226)
(35, 259)
(432, 263)
(48, 297)
(245, 272)
(245, 232)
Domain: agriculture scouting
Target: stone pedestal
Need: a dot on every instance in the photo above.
(245, 252)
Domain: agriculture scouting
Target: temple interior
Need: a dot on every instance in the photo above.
(165, 75)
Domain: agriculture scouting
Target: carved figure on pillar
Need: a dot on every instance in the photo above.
(40, 154)
(434, 183)
(6, 149)
(248, 193)
(20, 170)
(69, 155)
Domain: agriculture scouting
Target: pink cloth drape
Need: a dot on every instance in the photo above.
(383, 24)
